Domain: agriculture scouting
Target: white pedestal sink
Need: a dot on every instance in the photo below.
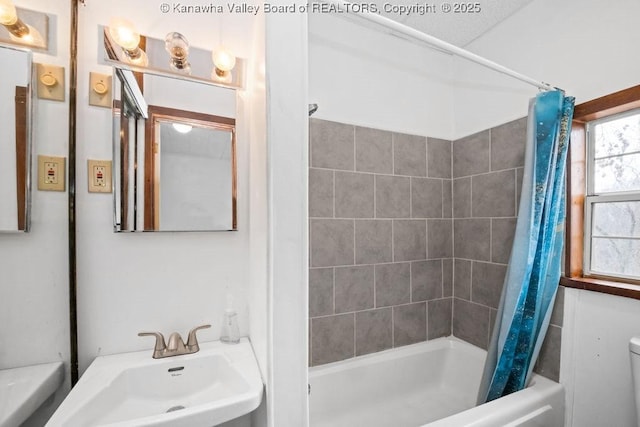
(217, 384)
(23, 390)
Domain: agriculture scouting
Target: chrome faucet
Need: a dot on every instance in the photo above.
(175, 346)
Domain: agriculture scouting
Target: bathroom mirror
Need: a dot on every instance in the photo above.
(15, 139)
(174, 155)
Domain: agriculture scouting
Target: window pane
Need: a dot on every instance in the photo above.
(621, 219)
(620, 173)
(618, 136)
(615, 256)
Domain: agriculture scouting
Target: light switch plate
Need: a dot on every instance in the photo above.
(50, 79)
(99, 90)
(99, 172)
(51, 173)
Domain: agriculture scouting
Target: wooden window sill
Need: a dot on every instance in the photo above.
(621, 289)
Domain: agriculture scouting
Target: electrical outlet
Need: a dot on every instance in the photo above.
(99, 172)
(51, 173)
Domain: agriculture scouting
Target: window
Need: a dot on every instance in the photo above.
(612, 199)
(602, 246)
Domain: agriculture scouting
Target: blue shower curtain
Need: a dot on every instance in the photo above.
(533, 273)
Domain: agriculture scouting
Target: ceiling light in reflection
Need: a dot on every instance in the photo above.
(182, 128)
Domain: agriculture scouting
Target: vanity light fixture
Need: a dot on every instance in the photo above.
(177, 46)
(18, 30)
(124, 33)
(223, 62)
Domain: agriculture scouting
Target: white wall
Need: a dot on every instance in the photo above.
(153, 281)
(34, 311)
(595, 364)
(589, 49)
(287, 137)
(583, 46)
(365, 77)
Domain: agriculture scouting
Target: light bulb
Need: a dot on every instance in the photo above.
(223, 60)
(124, 33)
(177, 46)
(8, 14)
(32, 37)
(182, 128)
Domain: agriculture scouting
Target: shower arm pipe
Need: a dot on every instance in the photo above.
(439, 44)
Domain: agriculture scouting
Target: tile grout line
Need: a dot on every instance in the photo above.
(408, 176)
(397, 262)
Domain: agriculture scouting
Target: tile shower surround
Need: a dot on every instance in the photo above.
(487, 172)
(381, 273)
(409, 238)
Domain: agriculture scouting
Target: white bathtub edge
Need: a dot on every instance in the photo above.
(517, 409)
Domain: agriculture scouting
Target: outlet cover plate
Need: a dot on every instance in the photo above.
(51, 173)
(99, 173)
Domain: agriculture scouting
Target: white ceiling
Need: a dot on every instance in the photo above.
(457, 28)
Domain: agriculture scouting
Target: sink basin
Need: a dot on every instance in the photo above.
(23, 390)
(217, 384)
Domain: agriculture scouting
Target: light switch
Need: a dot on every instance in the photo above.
(50, 79)
(51, 173)
(99, 172)
(99, 90)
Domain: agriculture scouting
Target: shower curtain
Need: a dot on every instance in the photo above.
(533, 273)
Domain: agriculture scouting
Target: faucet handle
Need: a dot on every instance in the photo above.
(192, 341)
(160, 345)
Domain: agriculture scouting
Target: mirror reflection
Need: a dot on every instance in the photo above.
(15, 152)
(174, 155)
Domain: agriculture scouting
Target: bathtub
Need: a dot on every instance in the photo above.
(427, 384)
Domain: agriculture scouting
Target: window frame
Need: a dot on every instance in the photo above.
(592, 198)
(575, 275)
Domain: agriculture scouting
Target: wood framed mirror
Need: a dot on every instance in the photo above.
(174, 158)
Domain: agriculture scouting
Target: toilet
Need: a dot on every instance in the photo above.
(634, 352)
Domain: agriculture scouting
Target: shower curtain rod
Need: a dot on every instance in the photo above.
(440, 44)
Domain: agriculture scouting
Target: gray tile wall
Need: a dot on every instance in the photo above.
(487, 169)
(381, 240)
(410, 238)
